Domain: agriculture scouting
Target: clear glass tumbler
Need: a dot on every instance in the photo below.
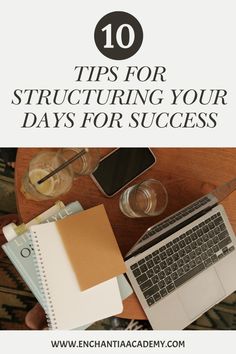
(47, 161)
(148, 198)
(86, 164)
(40, 166)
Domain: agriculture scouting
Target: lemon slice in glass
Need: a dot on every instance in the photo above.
(46, 187)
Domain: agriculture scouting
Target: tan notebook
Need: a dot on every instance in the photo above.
(91, 247)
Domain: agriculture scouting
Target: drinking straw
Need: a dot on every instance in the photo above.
(63, 165)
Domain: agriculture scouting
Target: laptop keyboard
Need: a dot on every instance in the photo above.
(176, 217)
(167, 268)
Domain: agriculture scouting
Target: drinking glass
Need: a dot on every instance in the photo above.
(148, 198)
(47, 161)
(86, 164)
(40, 166)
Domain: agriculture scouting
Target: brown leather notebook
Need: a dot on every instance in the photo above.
(91, 246)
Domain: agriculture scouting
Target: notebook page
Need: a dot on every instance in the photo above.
(68, 306)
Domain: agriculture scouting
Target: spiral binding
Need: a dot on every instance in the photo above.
(43, 284)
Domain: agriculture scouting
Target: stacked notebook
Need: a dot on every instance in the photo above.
(20, 249)
(79, 269)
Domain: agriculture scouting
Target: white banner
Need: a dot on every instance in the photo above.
(157, 73)
(191, 342)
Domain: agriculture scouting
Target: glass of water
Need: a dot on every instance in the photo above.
(148, 198)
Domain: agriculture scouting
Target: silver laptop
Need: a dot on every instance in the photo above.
(185, 264)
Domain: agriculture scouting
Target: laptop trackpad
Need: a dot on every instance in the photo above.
(201, 293)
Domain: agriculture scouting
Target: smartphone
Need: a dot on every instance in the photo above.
(120, 167)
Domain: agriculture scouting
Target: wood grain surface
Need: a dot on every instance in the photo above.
(187, 173)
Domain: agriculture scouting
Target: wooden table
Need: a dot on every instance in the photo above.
(186, 173)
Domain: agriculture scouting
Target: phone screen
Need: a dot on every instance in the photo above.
(121, 167)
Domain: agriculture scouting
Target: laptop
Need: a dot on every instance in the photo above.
(185, 264)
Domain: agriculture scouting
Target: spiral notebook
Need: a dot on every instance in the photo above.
(67, 305)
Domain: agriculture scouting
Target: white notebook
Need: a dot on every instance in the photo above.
(67, 306)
